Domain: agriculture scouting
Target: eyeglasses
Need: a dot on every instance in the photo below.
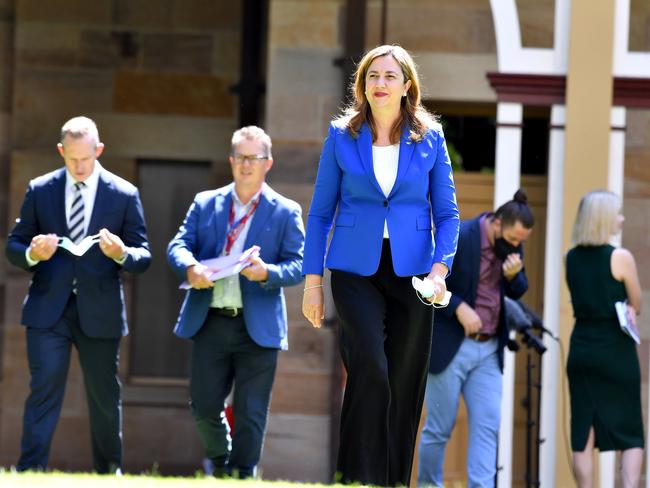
(251, 158)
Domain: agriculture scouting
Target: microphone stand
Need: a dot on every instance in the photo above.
(532, 342)
(531, 330)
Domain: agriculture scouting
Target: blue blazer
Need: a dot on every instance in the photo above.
(423, 194)
(276, 227)
(100, 297)
(448, 333)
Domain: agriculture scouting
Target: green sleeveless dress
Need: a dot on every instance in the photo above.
(603, 366)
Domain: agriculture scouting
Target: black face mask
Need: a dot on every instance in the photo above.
(503, 248)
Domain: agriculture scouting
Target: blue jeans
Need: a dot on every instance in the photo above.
(475, 373)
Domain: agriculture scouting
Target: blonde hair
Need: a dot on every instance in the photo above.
(78, 127)
(412, 114)
(252, 133)
(596, 220)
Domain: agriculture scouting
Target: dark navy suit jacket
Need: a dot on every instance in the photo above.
(100, 297)
(276, 227)
(448, 333)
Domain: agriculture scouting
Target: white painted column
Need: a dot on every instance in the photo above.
(552, 277)
(615, 177)
(507, 165)
(626, 63)
(506, 182)
(617, 151)
(553, 274)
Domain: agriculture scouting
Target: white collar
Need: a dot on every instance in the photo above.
(236, 199)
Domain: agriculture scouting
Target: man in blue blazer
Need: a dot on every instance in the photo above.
(469, 337)
(77, 300)
(238, 323)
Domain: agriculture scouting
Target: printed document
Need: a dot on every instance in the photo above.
(226, 265)
(625, 321)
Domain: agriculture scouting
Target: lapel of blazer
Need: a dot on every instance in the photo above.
(406, 148)
(57, 200)
(102, 200)
(261, 215)
(364, 146)
(222, 204)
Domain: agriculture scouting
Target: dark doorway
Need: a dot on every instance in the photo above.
(167, 189)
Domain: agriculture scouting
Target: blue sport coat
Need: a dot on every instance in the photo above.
(276, 227)
(448, 333)
(100, 297)
(423, 193)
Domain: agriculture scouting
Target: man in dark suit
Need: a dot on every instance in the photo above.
(238, 323)
(468, 340)
(76, 300)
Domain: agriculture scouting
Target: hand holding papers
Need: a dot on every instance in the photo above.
(78, 249)
(226, 265)
(626, 321)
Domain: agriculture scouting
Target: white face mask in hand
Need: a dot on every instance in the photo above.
(81, 248)
(426, 289)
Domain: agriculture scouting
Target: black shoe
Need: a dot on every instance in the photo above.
(216, 469)
(220, 472)
(244, 473)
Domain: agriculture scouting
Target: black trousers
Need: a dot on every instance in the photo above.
(222, 353)
(48, 352)
(385, 339)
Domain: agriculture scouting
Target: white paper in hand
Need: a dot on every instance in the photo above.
(81, 248)
(226, 265)
(625, 321)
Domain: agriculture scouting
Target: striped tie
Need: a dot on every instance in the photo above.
(76, 220)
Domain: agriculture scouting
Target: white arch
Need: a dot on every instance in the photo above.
(626, 63)
(513, 57)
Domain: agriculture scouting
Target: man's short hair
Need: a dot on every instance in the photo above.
(78, 127)
(252, 133)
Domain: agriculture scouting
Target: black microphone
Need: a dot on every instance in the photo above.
(512, 345)
(535, 320)
(532, 340)
(546, 331)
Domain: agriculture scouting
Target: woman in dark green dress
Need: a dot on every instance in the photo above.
(603, 366)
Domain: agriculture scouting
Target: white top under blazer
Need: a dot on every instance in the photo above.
(384, 161)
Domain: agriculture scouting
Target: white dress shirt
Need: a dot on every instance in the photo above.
(384, 161)
(226, 292)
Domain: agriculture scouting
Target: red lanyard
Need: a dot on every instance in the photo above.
(236, 229)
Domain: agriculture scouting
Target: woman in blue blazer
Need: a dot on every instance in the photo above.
(384, 181)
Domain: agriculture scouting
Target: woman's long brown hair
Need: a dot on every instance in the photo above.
(412, 114)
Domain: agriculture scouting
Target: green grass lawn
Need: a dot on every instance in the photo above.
(9, 479)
